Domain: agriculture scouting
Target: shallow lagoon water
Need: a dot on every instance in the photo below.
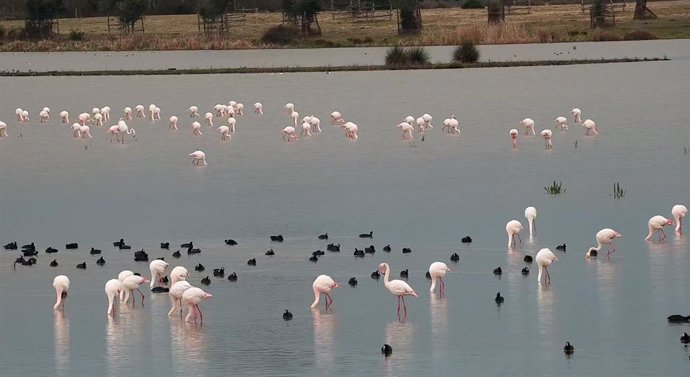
(425, 196)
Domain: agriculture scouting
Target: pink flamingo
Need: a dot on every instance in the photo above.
(173, 122)
(84, 132)
(289, 134)
(176, 291)
(544, 258)
(561, 123)
(232, 121)
(105, 111)
(258, 108)
(131, 284)
(209, 119)
(140, 111)
(589, 125)
(577, 113)
(124, 274)
(531, 216)
(513, 228)
(452, 125)
(157, 268)
(604, 237)
(323, 284)
(43, 116)
(336, 118)
(657, 223)
(64, 117)
(61, 285)
(18, 112)
(224, 133)
(437, 271)
(127, 113)
(199, 158)
(113, 289)
(546, 134)
(178, 273)
(406, 129)
(123, 129)
(193, 296)
(98, 120)
(528, 123)
(75, 130)
(351, 130)
(306, 127)
(3, 129)
(289, 107)
(193, 111)
(25, 116)
(678, 212)
(513, 137)
(84, 118)
(396, 287)
(239, 109)
(315, 124)
(196, 129)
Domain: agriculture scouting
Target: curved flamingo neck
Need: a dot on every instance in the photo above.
(386, 273)
(651, 232)
(317, 298)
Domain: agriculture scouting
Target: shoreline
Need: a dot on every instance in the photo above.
(325, 69)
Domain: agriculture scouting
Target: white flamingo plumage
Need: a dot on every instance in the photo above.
(209, 119)
(336, 118)
(289, 134)
(3, 129)
(561, 123)
(547, 134)
(513, 136)
(452, 125)
(577, 115)
(589, 125)
(127, 113)
(258, 108)
(406, 129)
(178, 273)
(306, 127)
(604, 237)
(678, 212)
(157, 268)
(657, 224)
(193, 296)
(437, 271)
(528, 123)
(199, 158)
(173, 122)
(131, 284)
(139, 111)
(176, 291)
(323, 284)
(224, 133)
(113, 289)
(544, 258)
(513, 228)
(396, 287)
(196, 129)
(531, 216)
(193, 111)
(64, 117)
(61, 285)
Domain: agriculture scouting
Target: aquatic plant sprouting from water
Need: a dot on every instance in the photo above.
(618, 193)
(555, 188)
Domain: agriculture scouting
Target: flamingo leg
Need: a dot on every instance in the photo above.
(442, 290)
(142, 296)
(404, 304)
(398, 306)
(198, 310)
(518, 236)
(664, 235)
(329, 301)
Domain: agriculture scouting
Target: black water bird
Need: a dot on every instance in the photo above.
(141, 256)
(232, 277)
(199, 267)
(287, 315)
(94, 251)
(359, 252)
(82, 266)
(71, 246)
(11, 246)
(176, 254)
(160, 290)
(406, 250)
(50, 250)
(386, 350)
(568, 349)
(187, 245)
(367, 235)
(278, 238)
(119, 243)
(498, 271)
(323, 236)
(230, 242)
(318, 252)
(352, 282)
(206, 281)
(428, 275)
(314, 258)
(466, 239)
(100, 261)
(454, 257)
(376, 275)
(561, 247)
(685, 338)
(54, 263)
(499, 299)
(370, 250)
(333, 247)
(528, 259)
(677, 318)
(525, 271)
(251, 262)
(165, 245)
(404, 273)
(219, 272)
(387, 248)
(270, 252)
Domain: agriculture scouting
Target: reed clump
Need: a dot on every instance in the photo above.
(556, 188)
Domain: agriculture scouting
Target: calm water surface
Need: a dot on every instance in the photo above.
(424, 195)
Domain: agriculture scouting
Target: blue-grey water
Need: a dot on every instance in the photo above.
(425, 195)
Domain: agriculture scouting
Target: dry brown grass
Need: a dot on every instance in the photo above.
(549, 23)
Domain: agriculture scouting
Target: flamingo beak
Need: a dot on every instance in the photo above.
(336, 285)
(669, 222)
(146, 281)
(207, 295)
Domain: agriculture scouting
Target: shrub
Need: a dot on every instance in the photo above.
(638, 35)
(408, 20)
(76, 35)
(417, 55)
(396, 56)
(473, 4)
(603, 36)
(280, 35)
(467, 52)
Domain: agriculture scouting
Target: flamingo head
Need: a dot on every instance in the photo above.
(335, 285)
(206, 295)
(382, 268)
(668, 222)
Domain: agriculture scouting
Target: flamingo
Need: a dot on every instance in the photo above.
(154, 113)
(193, 111)
(437, 271)
(427, 121)
(47, 111)
(219, 110)
(231, 123)
(75, 130)
(193, 296)
(452, 124)
(113, 131)
(131, 284)
(396, 287)
(123, 129)
(323, 284)
(84, 132)
(258, 108)
(175, 292)
(157, 268)
(18, 112)
(61, 285)
(421, 124)
(209, 119)
(121, 278)
(351, 130)
(657, 223)
(589, 125)
(561, 123)
(406, 129)
(239, 109)
(196, 129)
(544, 259)
(25, 116)
(305, 129)
(289, 107)
(140, 111)
(84, 118)
(576, 115)
(336, 118)
(513, 136)
(64, 117)
(127, 113)
(113, 289)
(173, 122)
(528, 123)
(224, 133)
(604, 237)
(95, 111)
(513, 227)
(315, 124)
(3, 129)
(105, 111)
(177, 274)
(98, 120)
(44, 116)
(546, 134)
(199, 157)
(678, 211)
(289, 133)
(531, 215)
(295, 116)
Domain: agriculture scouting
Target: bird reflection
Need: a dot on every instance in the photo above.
(399, 335)
(545, 301)
(439, 327)
(122, 333)
(324, 332)
(188, 344)
(62, 350)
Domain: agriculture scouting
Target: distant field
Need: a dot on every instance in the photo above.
(548, 23)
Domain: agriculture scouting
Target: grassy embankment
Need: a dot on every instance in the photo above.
(549, 23)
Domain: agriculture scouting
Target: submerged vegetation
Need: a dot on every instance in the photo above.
(618, 193)
(556, 188)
